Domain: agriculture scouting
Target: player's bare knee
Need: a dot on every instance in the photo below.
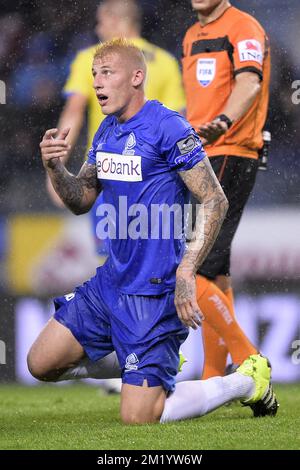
(34, 368)
(141, 405)
(37, 369)
(141, 414)
(136, 417)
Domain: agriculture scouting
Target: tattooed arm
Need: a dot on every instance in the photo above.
(77, 192)
(203, 184)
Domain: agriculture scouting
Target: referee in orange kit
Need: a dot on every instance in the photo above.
(226, 73)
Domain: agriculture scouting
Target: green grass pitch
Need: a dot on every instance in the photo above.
(82, 417)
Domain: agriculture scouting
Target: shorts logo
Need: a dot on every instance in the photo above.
(250, 49)
(131, 362)
(112, 166)
(206, 71)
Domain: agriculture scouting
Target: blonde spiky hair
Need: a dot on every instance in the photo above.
(123, 47)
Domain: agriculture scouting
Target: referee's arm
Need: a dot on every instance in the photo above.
(246, 88)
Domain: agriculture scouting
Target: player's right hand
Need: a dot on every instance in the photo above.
(54, 148)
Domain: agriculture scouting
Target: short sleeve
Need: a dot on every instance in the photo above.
(180, 144)
(91, 156)
(80, 79)
(249, 42)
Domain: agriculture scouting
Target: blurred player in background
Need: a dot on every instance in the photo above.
(149, 155)
(226, 73)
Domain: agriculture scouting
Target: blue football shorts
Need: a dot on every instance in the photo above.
(145, 331)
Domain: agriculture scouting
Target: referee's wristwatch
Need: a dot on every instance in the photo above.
(224, 118)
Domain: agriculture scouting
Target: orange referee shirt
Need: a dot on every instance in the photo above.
(212, 57)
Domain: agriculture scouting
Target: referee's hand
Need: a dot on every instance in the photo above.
(211, 131)
(54, 148)
(186, 300)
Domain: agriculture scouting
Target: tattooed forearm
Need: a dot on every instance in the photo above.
(77, 192)
(183, 289)
(203, 184)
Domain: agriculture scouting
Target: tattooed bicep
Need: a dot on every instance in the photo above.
(201, 179)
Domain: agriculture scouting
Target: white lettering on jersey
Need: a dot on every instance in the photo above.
(112, 166)
(250, 49)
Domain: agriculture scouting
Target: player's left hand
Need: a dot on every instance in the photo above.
(211, 131)
(186, 300)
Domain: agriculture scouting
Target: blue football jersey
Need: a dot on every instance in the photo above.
(143, 211)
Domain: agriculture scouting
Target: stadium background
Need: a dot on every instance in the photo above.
(44, 251)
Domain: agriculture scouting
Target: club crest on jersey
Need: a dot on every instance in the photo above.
(130, 144)
(250, 49)
(206, 71)
(131, 362)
